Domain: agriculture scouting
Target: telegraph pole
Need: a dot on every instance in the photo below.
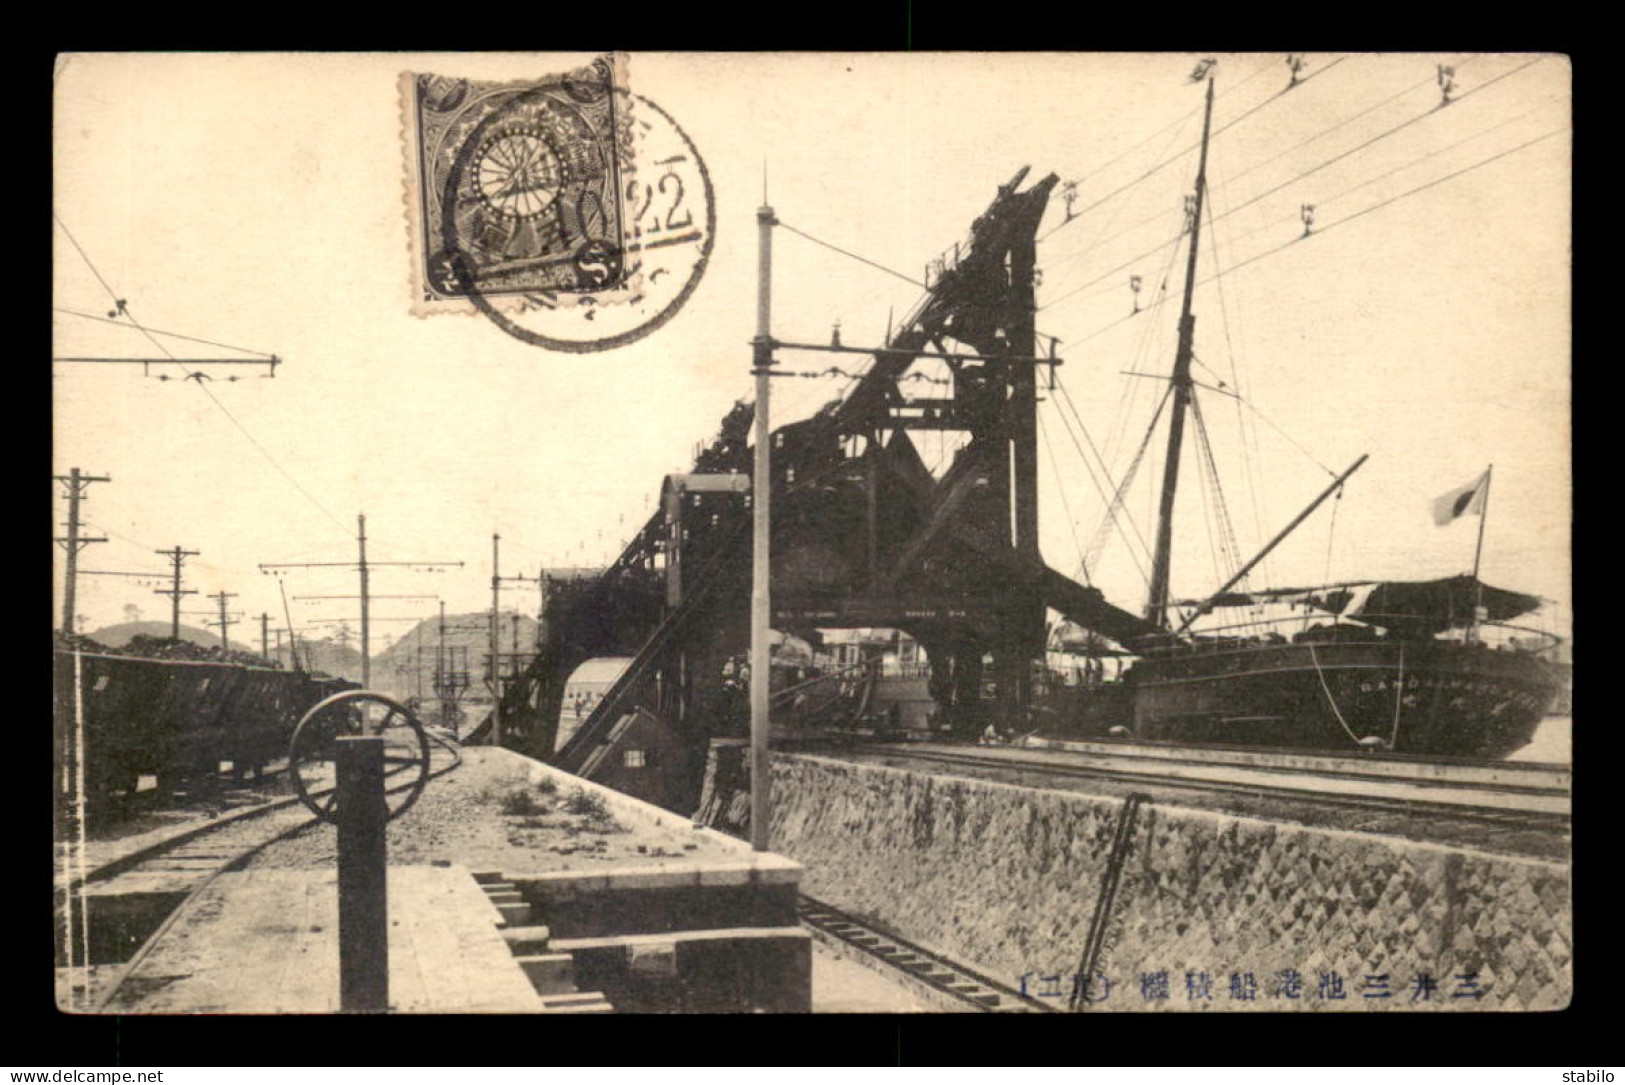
(1157, 607)
(176, 556)
(221, 597)
(74, 542)
(365, 567)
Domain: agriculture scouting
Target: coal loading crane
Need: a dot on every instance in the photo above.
(864, 534)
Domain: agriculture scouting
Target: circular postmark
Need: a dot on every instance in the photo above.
(567, 240)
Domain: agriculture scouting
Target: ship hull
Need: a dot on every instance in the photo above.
(1424, 699)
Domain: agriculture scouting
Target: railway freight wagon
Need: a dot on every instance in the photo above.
(173, 719)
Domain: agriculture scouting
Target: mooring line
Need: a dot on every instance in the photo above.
(1122, 834)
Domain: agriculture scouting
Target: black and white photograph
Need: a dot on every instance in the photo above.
(899, 533)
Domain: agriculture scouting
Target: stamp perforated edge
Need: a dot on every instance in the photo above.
(412, 185)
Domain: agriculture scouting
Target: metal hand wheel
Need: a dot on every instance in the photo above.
(358, 712)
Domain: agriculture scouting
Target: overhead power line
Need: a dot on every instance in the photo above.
(1313, 169)
(122, 306)
(1181, 154)
(1323, 228)
(852, 255)
(1374, 139)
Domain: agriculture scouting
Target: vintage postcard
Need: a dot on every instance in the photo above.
(812, 533)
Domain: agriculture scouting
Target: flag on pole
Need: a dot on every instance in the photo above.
(1461, 501)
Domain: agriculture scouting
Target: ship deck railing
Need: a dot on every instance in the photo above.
(1266, 632)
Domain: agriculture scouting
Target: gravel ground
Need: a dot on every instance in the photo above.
(489, 815)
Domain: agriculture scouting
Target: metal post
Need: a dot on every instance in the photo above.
(366, 656)
(761, 494)
(363, 908)
(74, 542)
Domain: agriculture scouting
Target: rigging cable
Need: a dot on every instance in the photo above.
(1293, 216)
(1150, 343)
(1331, 535)
(1227, 529)
(151, 549)
(1324, 132)
(1087, 464)
(1066, 505)
(1072, 262)
(1214, 546)
(1089, 467)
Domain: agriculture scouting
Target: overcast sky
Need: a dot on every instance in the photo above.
(258, 201)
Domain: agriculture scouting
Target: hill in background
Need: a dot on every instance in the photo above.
(330, 657)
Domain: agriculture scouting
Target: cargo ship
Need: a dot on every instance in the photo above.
(1427, 668)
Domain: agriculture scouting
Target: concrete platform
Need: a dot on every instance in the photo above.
(266, 941)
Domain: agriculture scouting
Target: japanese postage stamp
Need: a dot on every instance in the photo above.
(574, 214)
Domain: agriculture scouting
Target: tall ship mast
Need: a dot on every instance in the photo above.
(1397, 666)
(1157, 603)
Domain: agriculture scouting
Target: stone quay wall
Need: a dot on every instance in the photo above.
(1201, 910)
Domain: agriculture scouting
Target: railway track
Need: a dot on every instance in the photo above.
(174, 870)
(943, 981)
(1530, 777)
(1461, 790)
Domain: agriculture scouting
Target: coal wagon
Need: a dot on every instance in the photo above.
(119, 718)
